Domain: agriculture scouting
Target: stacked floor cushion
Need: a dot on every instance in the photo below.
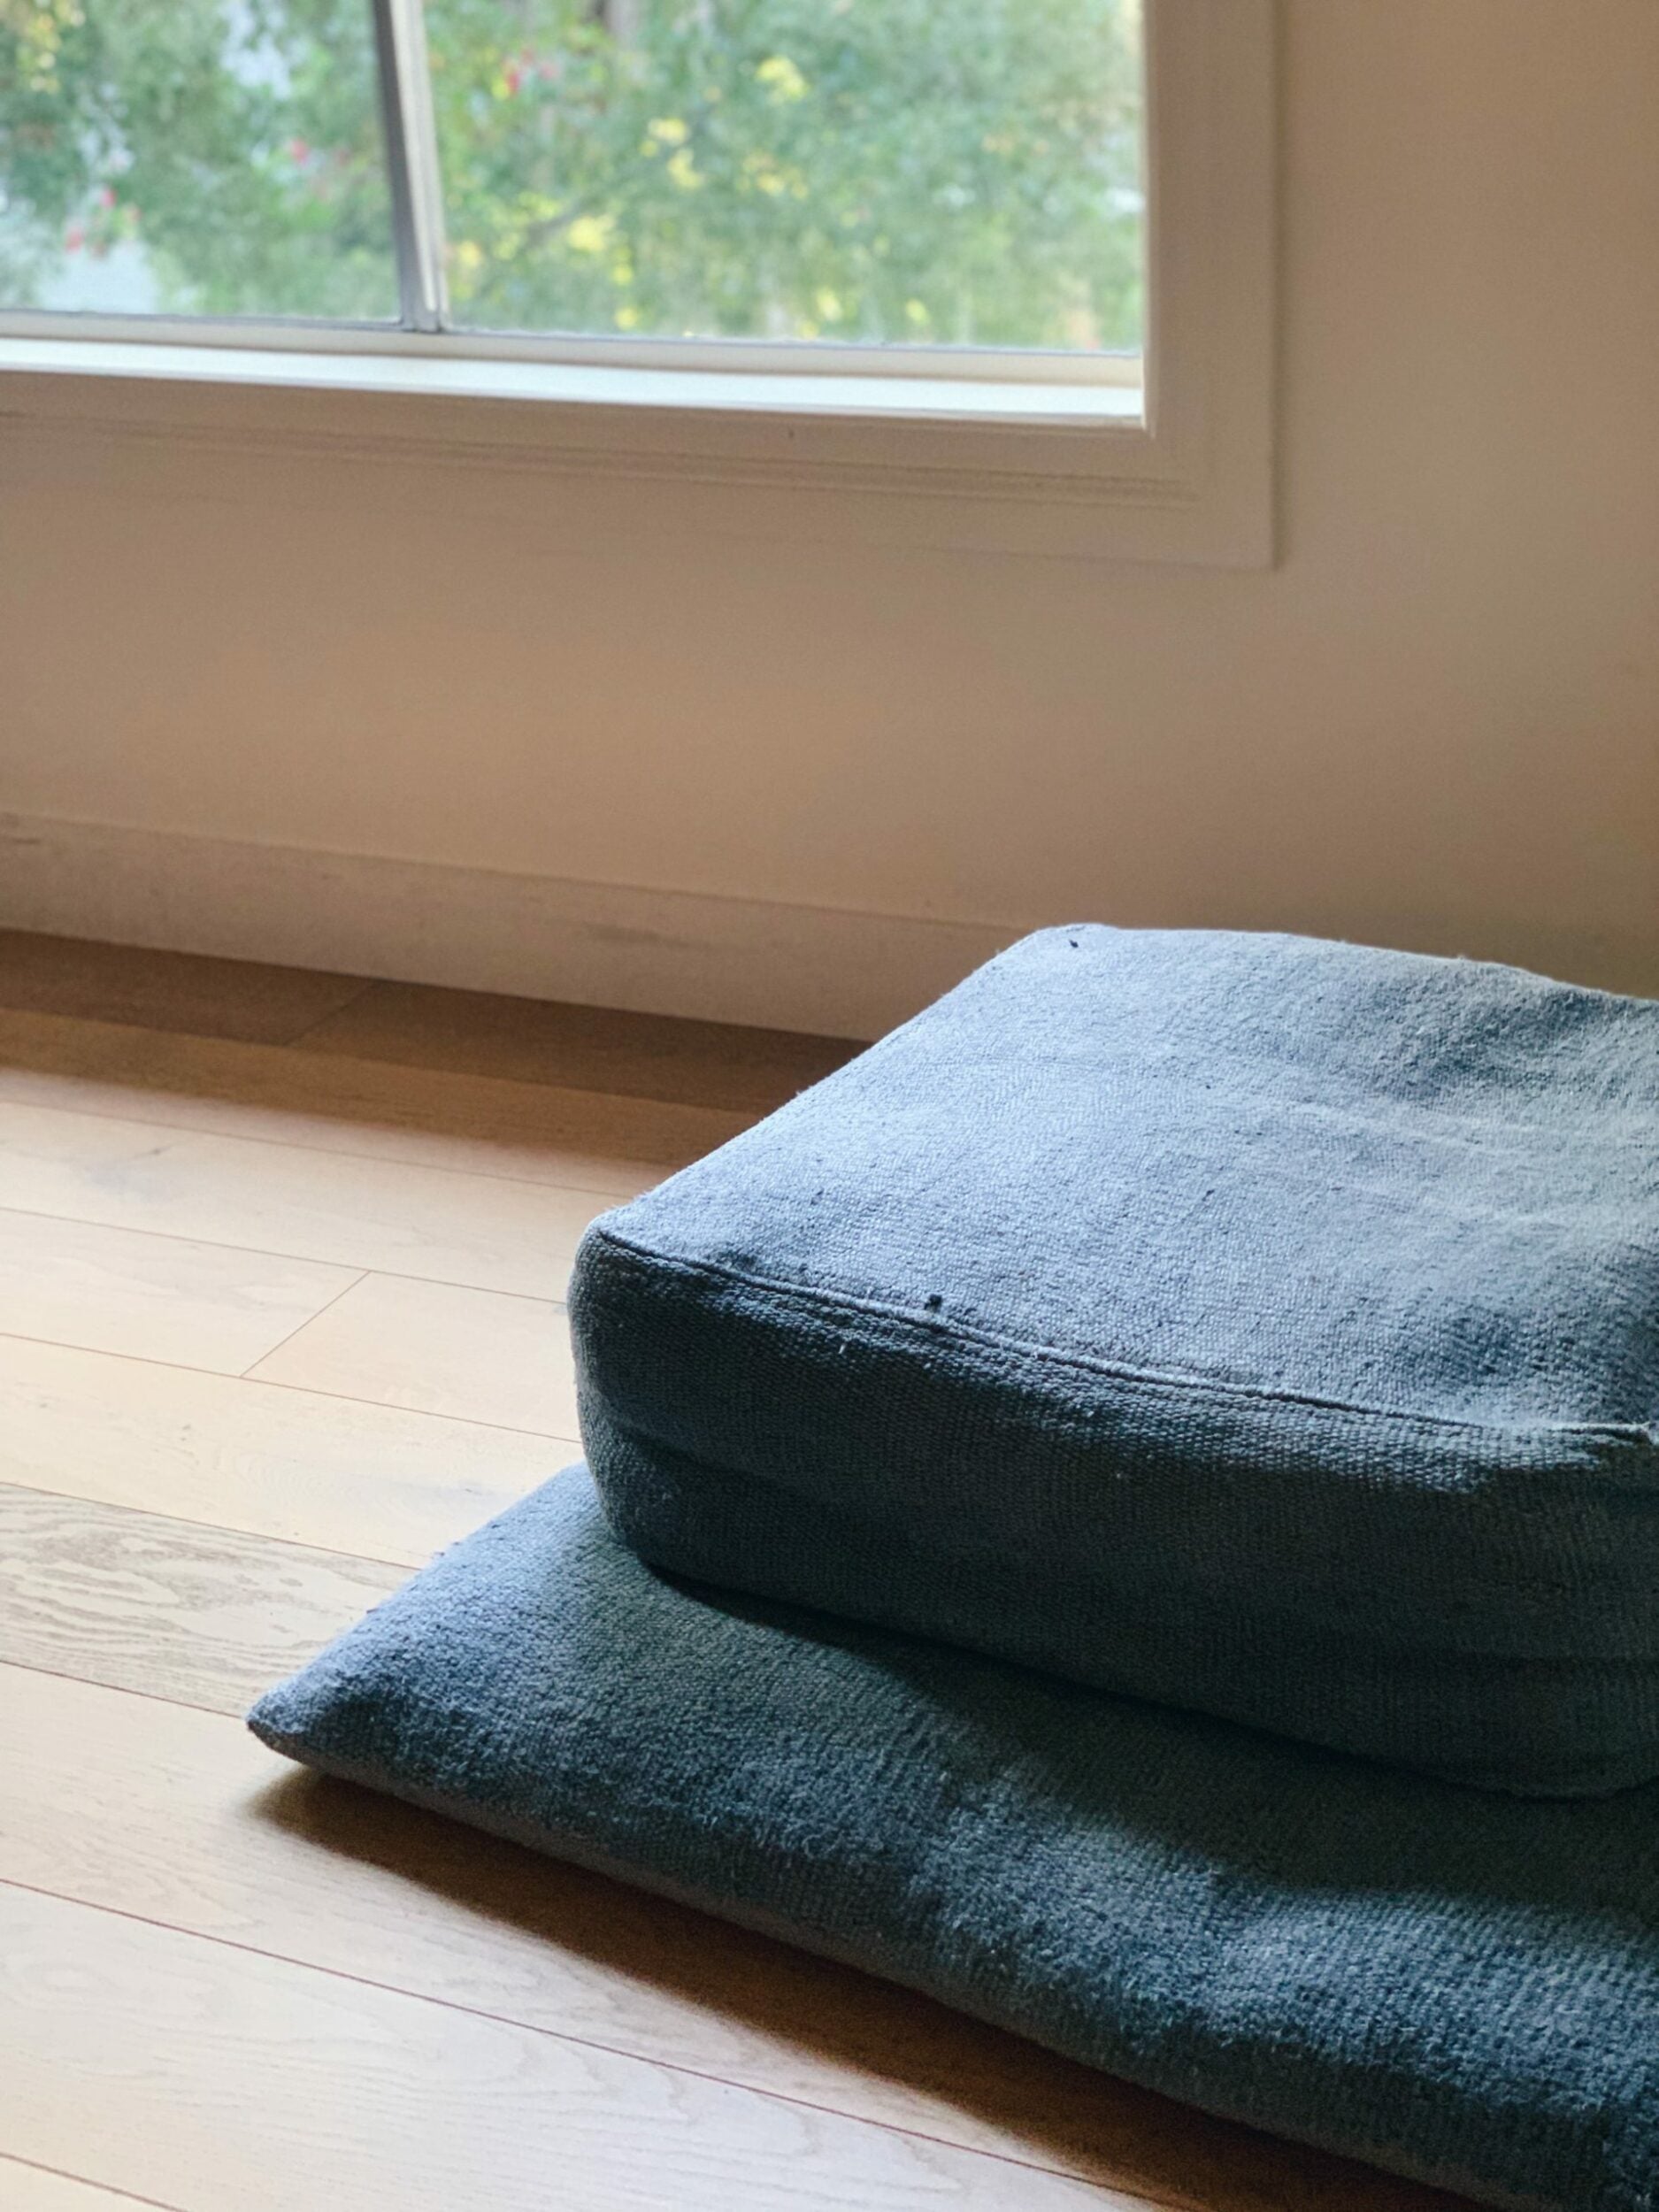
(1254, 1324)
(1455, 1983)
(1133, 1508)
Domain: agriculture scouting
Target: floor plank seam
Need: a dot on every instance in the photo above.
(272, 1350)
(259, 1252)
(251, 1535)
(384, 1405)
(125, 1689)
(302, 1390)
(286, 1044)
(331, 1152)
(561, 2036)
(85, 2181)
(117, 1689)
(326, 1151)
(176, 1520)
(295, 1390)
(426, 1072)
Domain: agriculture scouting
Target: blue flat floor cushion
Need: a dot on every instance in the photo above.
(1459, 1986)
(1260, 1325)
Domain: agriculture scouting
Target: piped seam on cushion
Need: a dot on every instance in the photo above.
(1634, 1439)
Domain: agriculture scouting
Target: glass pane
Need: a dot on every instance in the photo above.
(196, 157)
(931, 171)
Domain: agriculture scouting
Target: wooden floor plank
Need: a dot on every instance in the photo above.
(209, 2077)
(166, 1607)
(181, 1818)
(37, 2189)
(156, 1297)
(179, 991)
(591, 1048)
(487, 1125)
(359, 1213)
(282, 1463)
(435, 1348)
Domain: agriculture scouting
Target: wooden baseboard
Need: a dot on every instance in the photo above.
(754, 961)
(651, 952)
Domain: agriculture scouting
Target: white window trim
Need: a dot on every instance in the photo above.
(1064, 456)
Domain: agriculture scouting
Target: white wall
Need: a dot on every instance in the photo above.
(1436, 723)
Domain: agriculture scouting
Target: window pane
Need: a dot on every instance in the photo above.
(932, 172)
(203, 157)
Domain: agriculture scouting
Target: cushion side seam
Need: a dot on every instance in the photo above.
(1636, 1440)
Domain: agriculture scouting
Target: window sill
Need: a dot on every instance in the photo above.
(408, 368)
(1068, 472)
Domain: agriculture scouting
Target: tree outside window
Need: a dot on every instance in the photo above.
(877, 172)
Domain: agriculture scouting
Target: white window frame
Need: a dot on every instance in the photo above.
(1051, 454)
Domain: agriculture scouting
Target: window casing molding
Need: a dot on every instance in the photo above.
(1056, 454)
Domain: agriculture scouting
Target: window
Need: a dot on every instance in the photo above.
(873, 172)
(1023, 214)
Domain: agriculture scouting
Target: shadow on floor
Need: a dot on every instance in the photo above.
(781, 2020)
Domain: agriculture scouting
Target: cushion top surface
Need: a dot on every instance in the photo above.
(1451, 1984)
(1372, 1178)
(1255, 1324)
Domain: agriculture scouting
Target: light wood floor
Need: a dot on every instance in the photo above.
(282, 1264)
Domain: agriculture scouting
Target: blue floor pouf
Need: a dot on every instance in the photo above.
(1255, 1324)
(1133, 1508)
(1457, 1984)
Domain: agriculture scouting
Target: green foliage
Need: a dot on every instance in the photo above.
(885, 169)
(958, 171)
(239, 144)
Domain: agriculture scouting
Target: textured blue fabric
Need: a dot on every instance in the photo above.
(1460, 1986)
(1258, 1324)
